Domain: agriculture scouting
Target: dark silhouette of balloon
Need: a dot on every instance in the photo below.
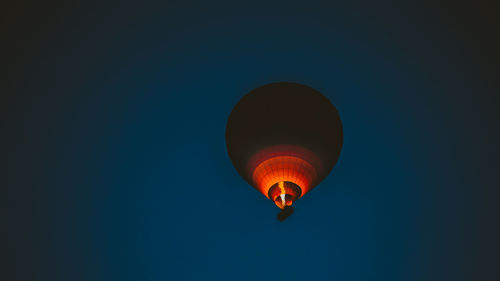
(284, 139)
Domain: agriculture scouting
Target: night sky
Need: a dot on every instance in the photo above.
(113, 155)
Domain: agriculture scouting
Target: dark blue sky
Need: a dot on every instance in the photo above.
(116, 168)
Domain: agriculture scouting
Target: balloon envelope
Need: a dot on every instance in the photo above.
(283, 139)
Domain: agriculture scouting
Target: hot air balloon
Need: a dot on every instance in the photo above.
(284, 139)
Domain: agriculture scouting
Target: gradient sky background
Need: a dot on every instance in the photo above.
(113, 156)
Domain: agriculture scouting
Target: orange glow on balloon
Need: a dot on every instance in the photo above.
(282, 169)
